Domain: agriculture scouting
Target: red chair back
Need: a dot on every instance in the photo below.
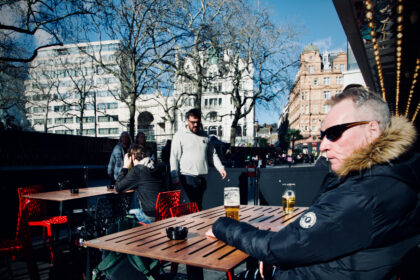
(164, 202)
(35, 208)
(184, 209)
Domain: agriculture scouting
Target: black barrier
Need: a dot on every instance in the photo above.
(307, 179)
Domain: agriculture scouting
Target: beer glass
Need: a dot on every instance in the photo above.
(232, 202)
(288, 198)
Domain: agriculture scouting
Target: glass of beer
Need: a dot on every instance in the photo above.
(232, 202)
(288, 198)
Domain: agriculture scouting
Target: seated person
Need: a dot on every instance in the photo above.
(368, 215)
(144, 178)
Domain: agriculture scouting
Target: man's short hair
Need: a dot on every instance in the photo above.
(364, 99)
(196, 113)
(139, 151)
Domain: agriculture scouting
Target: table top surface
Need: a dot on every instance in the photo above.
(197, 250)
(64, 195)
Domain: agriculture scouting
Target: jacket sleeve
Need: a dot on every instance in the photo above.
(111, 164)
(126, 180)
(342, 226)
(176, 151)
(213, 157)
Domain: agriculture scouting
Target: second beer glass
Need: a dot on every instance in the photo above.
(289, 198)
(232, 202)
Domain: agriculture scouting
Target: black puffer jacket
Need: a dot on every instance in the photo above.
(362, 224)
(146, 182)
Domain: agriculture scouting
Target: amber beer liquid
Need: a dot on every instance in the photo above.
(232, 202)
(288, 201)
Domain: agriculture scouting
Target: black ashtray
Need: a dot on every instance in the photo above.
(74, 190)
(177, 233)
(110, 187)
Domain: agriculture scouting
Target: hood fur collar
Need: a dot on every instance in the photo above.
(397, 139)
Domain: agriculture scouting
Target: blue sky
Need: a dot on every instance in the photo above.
(319, 24)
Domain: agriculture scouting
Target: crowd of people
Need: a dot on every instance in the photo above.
(362, 224)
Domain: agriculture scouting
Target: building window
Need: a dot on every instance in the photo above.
(220, 131)
(339, 80)
(220, 101)
(104, 106)
(103, 131)
(113, 118)
(306, 109)
(63, 120)
(327, 95)
(303, 95)
(64, 131)
(86, 119)
(313, 127)
(342, 68)
(206, 102)
(86, 132)
(212, 130)
(326, 109)
(326, 80)
(311, 69)
(213, 116)
(315, 82)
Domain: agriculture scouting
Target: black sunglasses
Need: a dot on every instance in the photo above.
(333, 133)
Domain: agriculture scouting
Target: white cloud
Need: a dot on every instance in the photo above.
(323, 44)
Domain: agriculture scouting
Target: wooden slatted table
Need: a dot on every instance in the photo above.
(197, 250)
(65, 195)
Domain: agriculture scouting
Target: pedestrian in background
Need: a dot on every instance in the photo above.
(191, 152)
(117, 156)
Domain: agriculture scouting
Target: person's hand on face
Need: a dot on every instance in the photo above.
(128, 161)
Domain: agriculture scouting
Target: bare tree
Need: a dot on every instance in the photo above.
(82, 92)
(256, 51)
(41, 93)
(27, 26)
(194, 32)
(137, 24)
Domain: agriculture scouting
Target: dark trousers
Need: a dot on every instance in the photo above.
(194, 187)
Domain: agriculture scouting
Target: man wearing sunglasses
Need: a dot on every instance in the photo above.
(367, 217)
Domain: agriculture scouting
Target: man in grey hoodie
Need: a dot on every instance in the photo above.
(191, 152)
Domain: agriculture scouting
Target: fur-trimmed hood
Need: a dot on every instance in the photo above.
(397, 139)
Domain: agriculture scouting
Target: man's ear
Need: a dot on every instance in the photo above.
(374, 131)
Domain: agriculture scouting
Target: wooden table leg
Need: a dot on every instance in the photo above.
(194, 273)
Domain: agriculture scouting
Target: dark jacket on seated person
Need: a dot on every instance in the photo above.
(361, 225)
(146, 182)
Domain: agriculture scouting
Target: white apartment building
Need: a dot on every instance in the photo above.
(217, 104)
(59, 75)
(58, 79)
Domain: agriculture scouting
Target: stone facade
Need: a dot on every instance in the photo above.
(319, 78)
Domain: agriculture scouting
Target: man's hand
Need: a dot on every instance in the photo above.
(210, 234)
(223, 173)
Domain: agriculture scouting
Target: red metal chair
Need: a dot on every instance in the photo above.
(20, 245)
(164, 202)
(184, 209)
(36, 214)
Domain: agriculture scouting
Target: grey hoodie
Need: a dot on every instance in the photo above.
(190, 154)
